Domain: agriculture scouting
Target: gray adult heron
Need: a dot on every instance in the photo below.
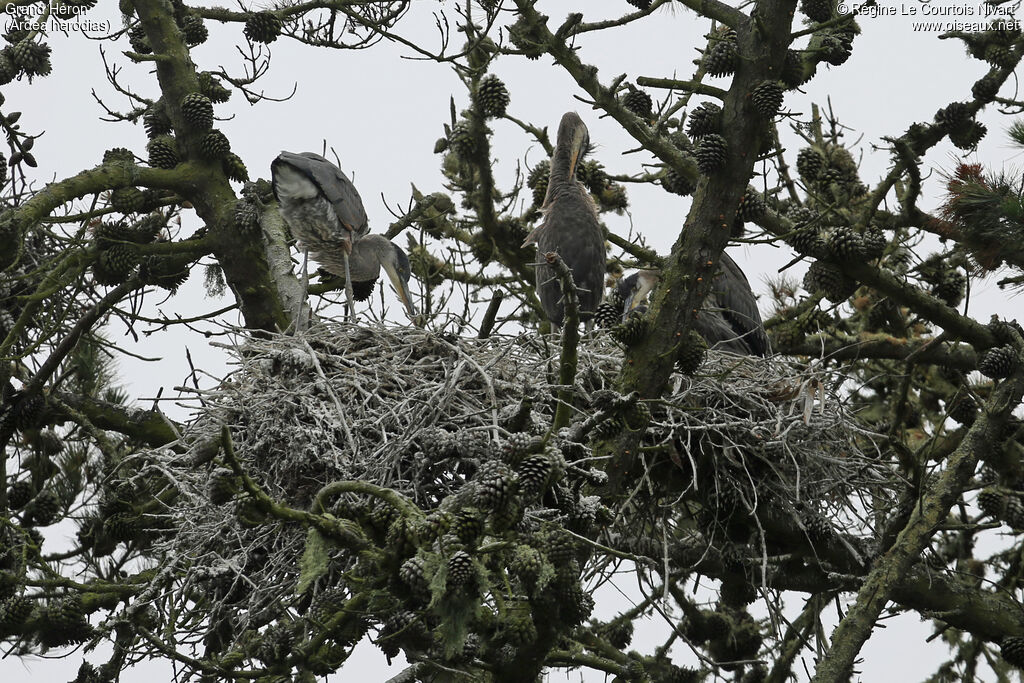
(326, 215)
(569, 227)
(729, 319)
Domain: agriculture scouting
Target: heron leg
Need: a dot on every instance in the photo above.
(301, 323)
(350, 307)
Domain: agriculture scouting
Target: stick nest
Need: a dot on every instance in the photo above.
(448, 422)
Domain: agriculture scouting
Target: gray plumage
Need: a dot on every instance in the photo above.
(373, 252)
(570, 227)
(326, 215)
(321, 206)
(729, 319)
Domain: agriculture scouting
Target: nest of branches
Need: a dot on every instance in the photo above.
(353, 478)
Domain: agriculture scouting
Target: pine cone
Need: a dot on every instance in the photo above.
(197, 110)
(462, 141)
(20, 493)
(985, 89)
(43, 509)
(534, 473)
(460, 569)
(751, 207)
(263, 27)
(211, 86)
(1012, 650)
(492, 97)
(711, 153)
(607, 314)
(118, 155)
(128, 199)
(412, 574)
(690, 355)
(638, 102)
(155, 120)
(953, 116)
(631, 331)
(722, 59)
(677, 183)
(31, 57)
(163, 152)
(234, 168)
(844, 244)
(829, 279)
(115, 265)
(809, 164)
(705, 119)
(793, 70)
(193, 30)
(998, 362)
(767, 98)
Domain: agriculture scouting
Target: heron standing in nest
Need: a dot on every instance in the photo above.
(729, 319)
(326, 215)
(570, 228)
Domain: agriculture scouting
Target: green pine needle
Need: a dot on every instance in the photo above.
(1016, 133)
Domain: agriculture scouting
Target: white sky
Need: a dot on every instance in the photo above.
(382, 114)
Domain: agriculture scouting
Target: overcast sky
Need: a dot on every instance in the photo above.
(382, 113)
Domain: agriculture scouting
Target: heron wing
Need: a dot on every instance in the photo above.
(335, 187)
(719, 333)
(533, 236)
(738, 306)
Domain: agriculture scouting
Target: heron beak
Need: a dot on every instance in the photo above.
(401, 289)
(530, 239)
(645, 284)
(632, 301)
(576, 152)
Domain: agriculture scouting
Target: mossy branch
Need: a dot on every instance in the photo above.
(570, 340)
(396, 500)
(100, 179)
(342, 531)
(797, 638)
(891, 568)
(422, 205)
(845, 347)
(585, 76)
(146, 426)
(581, 659)
(643, 254)
(922, 303)
(684, 86)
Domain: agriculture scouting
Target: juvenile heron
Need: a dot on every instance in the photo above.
(729, 319)
(570, 227)
(326, 215)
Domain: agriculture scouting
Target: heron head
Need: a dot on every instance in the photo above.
(396, 264)
(573, 139)
(635, 288)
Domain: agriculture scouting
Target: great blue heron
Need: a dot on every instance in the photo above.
(570, 227)
(326, 215)
(729, 319)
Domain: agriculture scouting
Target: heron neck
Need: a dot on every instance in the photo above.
(559, 167)
(364, 263)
